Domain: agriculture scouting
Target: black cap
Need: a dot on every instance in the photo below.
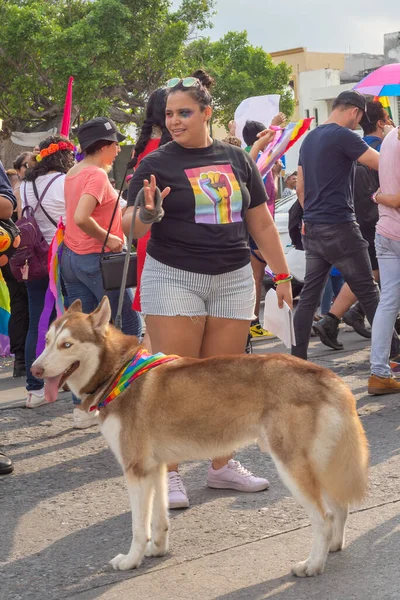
(100, 128)
(352, 98)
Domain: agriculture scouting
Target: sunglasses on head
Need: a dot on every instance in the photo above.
(187, 82)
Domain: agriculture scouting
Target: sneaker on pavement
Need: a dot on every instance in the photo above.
(177, 496)
(355, 318)
(6, 465)
(234, 476)
(35, 398)
(83, 420)
(327, 330)
(383, 385)
(256, 331)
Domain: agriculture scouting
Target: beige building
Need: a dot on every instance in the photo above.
(301, 60)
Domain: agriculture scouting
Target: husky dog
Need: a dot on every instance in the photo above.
(185, 408)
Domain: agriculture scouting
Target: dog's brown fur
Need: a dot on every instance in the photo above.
(301, 413)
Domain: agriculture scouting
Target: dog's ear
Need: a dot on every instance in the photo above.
(76, 306)
(102, 315)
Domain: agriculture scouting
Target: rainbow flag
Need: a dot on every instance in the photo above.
(4, 317)
(283, 140)
(384, 100)
(54, 297)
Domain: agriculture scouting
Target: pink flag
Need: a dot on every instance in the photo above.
(66, 120)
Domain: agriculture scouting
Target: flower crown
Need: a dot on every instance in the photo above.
(54, 148)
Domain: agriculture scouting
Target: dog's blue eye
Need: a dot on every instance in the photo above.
(67, 345)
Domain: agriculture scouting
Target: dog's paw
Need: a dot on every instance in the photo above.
(124, 562)
(307, 569)
(156, 548)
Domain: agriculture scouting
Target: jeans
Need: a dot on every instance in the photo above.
(82, 277)
(341, 245)
(36, 296)
(331, 290)
(388, 255)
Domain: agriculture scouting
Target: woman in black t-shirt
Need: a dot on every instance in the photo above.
(197, 286)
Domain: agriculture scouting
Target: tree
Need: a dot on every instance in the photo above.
(240, 70)
(119, 51)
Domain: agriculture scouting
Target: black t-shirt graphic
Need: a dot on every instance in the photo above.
(203, 229)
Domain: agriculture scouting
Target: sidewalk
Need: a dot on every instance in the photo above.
(65, 513)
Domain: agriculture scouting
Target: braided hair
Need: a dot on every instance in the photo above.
(155, 116)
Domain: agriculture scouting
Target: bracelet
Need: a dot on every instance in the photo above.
(281, 276)
(284, 280)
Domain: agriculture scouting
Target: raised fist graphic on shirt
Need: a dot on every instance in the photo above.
(218, 188)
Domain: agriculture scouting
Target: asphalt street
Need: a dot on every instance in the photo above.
(65, 513)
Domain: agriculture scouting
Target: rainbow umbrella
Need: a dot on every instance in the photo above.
(384, 81)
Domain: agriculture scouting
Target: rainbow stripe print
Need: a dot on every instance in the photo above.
(218, 198)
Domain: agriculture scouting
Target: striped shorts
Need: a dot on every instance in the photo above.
(171, 292)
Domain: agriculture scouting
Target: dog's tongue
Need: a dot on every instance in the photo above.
(52, 387)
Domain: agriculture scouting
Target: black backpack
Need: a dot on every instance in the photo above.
(365, 184)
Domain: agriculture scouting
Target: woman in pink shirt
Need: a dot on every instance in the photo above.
(90, 200)
(387, 244)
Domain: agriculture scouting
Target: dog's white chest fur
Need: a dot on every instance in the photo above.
(111, 429)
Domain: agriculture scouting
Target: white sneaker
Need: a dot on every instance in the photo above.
(234, 476)
(83, 420)
(35, 398)
(177, 496)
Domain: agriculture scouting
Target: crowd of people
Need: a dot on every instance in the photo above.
(205, 233)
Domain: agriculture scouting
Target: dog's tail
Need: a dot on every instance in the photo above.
(345, 474)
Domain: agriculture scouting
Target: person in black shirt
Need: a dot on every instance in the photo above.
(325, 189)
(197, 287)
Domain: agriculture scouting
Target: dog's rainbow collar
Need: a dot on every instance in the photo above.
(140, 364)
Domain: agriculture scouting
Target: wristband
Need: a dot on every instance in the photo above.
(281, 276)
(284, 280)
(150, 216)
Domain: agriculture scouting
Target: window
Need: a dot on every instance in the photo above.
(307, 113)
(316, 117)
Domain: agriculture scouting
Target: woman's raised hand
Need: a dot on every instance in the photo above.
(149, 189)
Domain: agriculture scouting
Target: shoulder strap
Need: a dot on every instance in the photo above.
(25, 198)
(114, 211)
(375, 144)
(40, 199)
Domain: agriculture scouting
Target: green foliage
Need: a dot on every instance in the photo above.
(240, 70)
(118, 51)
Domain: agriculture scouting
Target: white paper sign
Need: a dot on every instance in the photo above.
(279, 320)
(256, 108)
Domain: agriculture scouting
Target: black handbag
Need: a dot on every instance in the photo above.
(112, 264)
